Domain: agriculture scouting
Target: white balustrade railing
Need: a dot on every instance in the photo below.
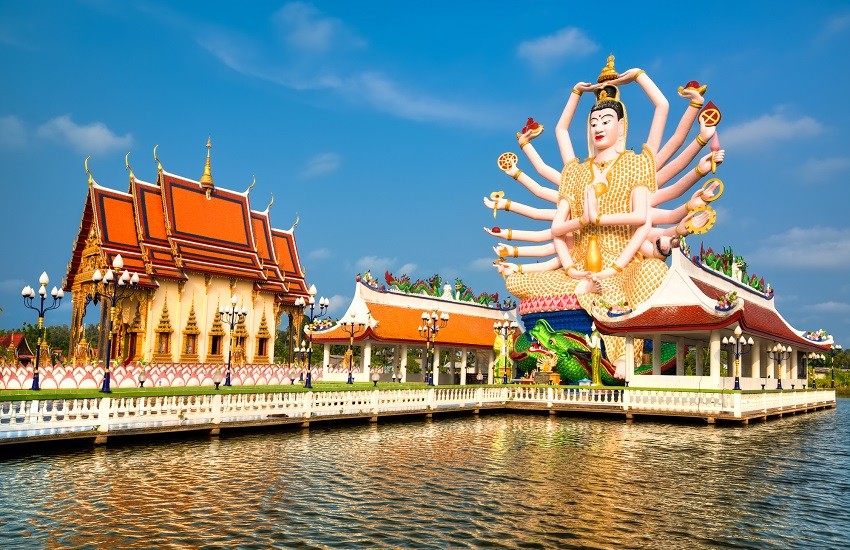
(105, 414)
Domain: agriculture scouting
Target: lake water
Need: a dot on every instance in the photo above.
(509, 481)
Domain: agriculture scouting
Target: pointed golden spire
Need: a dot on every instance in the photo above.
(206, 179)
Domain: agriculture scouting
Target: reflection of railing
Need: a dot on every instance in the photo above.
(116, 414)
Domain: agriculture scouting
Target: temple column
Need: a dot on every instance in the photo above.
(402, 364)
(794, 366)
(630, 359)
(714, 358)
(462, 366)
(656, 354)
(326, 360)
(680, 356)
(755, 359)
(435, 366)
(452, 365)
(367, 361)
(491, 360)
(698, 358)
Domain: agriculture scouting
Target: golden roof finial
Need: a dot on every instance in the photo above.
(206, 179)
(86, 164)
(158, 164)
(127, 165)
(608, 72)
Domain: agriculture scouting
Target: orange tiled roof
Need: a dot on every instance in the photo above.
(164, 228)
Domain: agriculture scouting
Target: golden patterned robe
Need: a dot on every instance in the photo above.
(640, 278)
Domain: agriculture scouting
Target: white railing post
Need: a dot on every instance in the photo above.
(307, 404)
(479, 395)
(430, 399)
(215, 409)
(736, 404)
(550, 396)
(34, 412)
(103, 414)
(376, 399)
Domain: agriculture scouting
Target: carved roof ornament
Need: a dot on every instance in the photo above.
(216, 329)
(206, 178)
(164, 321)
(155, 158)
(86, 164)
(294, 225)
(127, 165)
(271, 202)
(192, 322)
(241, 331)
(253, 183)
(263, 331)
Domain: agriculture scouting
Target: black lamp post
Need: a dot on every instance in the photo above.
(351, 327)
(431, 325)
(505, 328)
(778, 353)
(231, 317)
(739, 345)
(117, 285)
(28, 294)
(310, 312)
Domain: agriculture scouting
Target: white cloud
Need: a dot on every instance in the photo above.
(833, 28)
(766, 130)
(820, 171)
(12, 132)
(321, 165)
(12, 285)
(306, 29)
(810, 249)
(482, 264)
(551, 50)
(406, 269)
(338, 304)
(828, 308)
(91, 138)
(319, 254)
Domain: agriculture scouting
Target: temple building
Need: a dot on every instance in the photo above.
(194, 246)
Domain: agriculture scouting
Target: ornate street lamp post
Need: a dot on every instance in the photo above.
(117, 285)
(778, 353)
(739, 346)
(231, 317)
(28, 294)
(505, 328)
(351, 327)
(309, 310)
(431, 325)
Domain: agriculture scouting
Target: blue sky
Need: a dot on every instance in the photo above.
(379, 125)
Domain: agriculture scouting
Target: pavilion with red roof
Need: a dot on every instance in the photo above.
(194, 246)
(692, 308)
(389, 319)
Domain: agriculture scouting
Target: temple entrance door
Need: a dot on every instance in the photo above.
(131, 347)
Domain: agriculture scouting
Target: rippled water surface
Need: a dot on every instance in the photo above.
(513, 481)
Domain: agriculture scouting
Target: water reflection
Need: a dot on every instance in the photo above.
(512, 481)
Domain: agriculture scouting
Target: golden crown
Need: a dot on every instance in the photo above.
(608, 71)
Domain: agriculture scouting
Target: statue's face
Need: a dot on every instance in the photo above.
(605, 129)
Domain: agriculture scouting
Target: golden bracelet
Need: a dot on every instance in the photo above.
(508, 205)
(519, 268)
(510, 234)
(702, 142)
(617, 268)
(524, 143)
(576, 92)
(598, 218)
(516, 252)
(640, 72)
(699, 172)
(697, 105)
(516, 176)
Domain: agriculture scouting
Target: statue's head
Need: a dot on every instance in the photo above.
(607, 122)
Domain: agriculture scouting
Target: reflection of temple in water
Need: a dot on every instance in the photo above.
(194, 246)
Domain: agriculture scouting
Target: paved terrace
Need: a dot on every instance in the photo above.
(97, 418)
